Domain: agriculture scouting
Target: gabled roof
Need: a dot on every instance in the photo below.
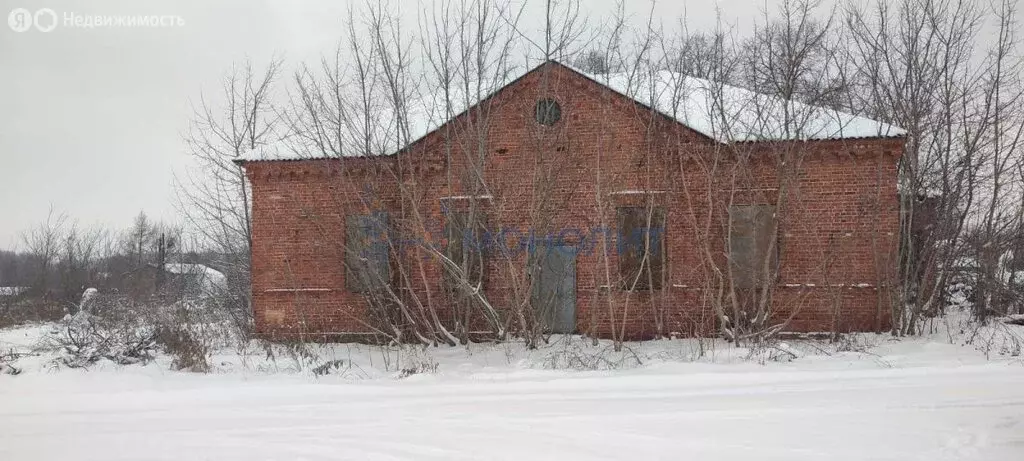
(721, 112)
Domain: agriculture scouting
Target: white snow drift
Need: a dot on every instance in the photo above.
(914, 399)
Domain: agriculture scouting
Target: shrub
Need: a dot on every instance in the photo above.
(416, 361)
(125, 332)
(7, 360)
(187, 348)
(85, 339)
(22, 311)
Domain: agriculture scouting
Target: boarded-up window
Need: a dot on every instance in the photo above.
(366, 252)
(465, 247)
(753, 256)
(641, 247)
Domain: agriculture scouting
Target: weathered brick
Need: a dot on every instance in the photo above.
(838, 226)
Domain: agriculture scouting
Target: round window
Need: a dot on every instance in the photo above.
(547, 112)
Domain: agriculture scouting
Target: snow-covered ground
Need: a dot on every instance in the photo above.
(913, 399)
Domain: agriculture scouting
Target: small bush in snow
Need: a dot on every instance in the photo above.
(296, 355)
(84, 339)
(1002, 339)
(577, 355)
(415, 361)
(125, 333)
(851, 343)
(330, 367)
(766, 351)
(7, 360)
(188, 351)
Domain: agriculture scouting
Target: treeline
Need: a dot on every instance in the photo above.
(58, 259)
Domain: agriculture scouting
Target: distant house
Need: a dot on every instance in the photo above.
(11, 292)
(175, 280)
(196, 279)
(622, 157)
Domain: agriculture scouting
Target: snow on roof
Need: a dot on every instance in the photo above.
(731, 114)
(211, 280)
(721, 112)
(283, 150)
(424, 115)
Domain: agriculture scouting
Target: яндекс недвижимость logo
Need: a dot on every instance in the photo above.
(45, 20)
(21, 19)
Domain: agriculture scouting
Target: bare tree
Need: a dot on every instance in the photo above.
(77, 260)
(215, 198)
(919, 68)
(1004, 99)
(43, 244)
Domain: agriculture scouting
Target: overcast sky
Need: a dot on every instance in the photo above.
(91, 118)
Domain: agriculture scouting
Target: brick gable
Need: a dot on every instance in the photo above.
(565, 182)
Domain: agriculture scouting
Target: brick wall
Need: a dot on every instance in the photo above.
(838, 220)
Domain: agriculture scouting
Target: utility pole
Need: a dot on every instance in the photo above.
(161, 261)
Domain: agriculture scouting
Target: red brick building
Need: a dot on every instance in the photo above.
(674, 204)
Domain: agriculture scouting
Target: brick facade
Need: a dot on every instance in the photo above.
(838, 220)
